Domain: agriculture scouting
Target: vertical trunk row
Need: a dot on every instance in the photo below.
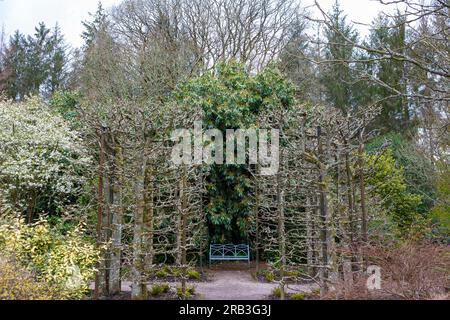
(349, 188)
(106, 226)
(282, 240)
(362, 187)
(116, 223)
(346, 217)
(310, 259)
(149, 217)
(182, 229)
(109, 216)
(281, 224)
(99, 284)
(323, 207)
(257, 222)
(139, 288)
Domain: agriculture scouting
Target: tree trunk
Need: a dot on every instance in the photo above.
(362, 188)
(100, 204)
(281, 226)
(149, 218)
(309, 238)
(139, 288)
(106, 224)
(349, 196)
(182, 235)
(257, 235)
(323, 206)
(117, 223)
(179, 222)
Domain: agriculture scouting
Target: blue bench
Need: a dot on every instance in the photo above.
(229, 252)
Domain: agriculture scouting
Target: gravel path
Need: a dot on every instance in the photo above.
(234, 285)
(238, 285)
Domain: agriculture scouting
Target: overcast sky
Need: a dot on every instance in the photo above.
(26, 14)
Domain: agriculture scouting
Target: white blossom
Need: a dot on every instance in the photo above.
(39, 152)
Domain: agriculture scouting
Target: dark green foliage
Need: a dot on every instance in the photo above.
(232, 99)
(295, 65)
(337, 76)
(35, 65)
(228, 102)
(14, 61)
(92, 28)
(395, 114)
(57, 64)
(65, 103)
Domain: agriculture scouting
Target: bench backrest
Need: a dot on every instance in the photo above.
(226, 252)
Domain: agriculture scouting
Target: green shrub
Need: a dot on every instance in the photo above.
(292, 274)
(176, 272)
(64, 262)
(190, 291)
(276, 292)
(165, 287)
(269, 276)
(297, 296)
(44, 170)
(233, 97)
(193, 275)
(387, 185)
(440, 212)
(17, 283)
(316, 292)
(161, 274)
(159, 288)
(167, 269)
(418, 171)
(301, 271)
(64, 103)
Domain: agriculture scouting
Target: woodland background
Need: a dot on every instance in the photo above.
(87, 192)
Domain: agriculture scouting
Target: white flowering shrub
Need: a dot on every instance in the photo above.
(42, 160)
